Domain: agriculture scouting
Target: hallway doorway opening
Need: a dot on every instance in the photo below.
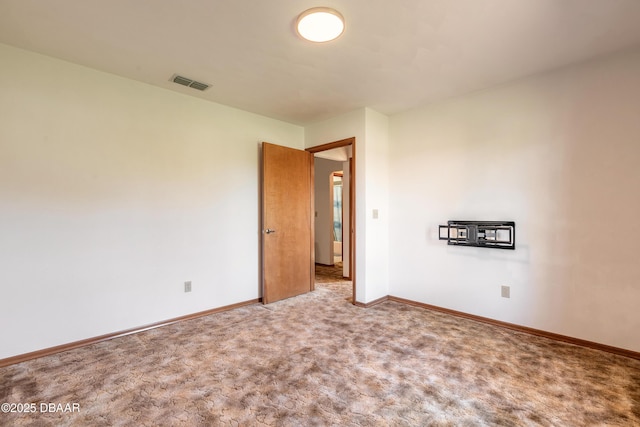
(334, 212)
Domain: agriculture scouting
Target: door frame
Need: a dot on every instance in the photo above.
(348, 142)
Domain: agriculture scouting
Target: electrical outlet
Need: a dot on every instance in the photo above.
(187, 286)
(506, 292)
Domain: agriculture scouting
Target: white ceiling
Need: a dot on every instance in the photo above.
(393, 56)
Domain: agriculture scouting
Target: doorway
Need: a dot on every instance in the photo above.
(341, 153)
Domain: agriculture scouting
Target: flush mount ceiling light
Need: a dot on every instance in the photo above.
(320, 24)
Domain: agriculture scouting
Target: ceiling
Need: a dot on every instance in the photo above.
(393, 56)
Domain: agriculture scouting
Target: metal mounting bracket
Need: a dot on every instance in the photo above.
(482, 234)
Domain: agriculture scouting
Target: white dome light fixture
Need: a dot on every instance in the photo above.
(320, 24)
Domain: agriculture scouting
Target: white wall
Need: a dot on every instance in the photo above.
(112, 194)
(559, 154)
(323, 175)
(377, 204)
(371, 132)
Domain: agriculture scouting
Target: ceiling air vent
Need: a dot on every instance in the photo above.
(189, 83)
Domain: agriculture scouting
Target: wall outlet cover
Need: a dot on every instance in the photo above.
(506, 292)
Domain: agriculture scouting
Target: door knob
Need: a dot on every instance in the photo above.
(269, 231)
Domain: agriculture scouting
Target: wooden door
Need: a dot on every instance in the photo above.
(287, 237)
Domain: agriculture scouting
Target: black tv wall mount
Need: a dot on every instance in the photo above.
(481, 234)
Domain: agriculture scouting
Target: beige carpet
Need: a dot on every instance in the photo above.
(318, 360)
(329, 273)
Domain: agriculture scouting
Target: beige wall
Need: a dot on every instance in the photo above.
(559, 154)
(112, 194)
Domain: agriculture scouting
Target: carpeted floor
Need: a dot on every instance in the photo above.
(318, 360)
(330, 273)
